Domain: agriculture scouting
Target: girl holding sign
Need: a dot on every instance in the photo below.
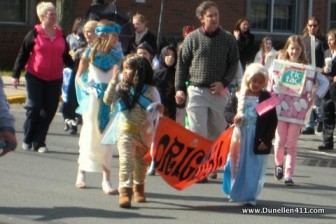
(292, 84)
(244, 173)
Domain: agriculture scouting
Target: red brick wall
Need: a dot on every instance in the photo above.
(320, 12)
(177, 14)
(10, 43)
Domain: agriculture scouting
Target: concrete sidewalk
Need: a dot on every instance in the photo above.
(14, 96)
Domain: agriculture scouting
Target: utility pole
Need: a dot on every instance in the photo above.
(163, 2)
(66, 13)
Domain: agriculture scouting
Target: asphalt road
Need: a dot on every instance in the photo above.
(39, 188)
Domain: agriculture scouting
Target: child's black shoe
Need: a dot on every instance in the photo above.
(73, 127)
(66, 127)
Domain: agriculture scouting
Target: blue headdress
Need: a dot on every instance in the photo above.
(108, 29)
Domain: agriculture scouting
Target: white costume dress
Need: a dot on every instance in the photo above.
(92, 155)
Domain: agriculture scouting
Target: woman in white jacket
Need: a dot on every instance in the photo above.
(267, 53)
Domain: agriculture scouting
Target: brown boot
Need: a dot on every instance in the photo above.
(139, 193)
(125, 197)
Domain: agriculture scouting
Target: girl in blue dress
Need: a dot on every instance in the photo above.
(244, 172)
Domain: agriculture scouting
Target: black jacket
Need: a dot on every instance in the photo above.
(149, 37)
(331, 94)
(164, 80)
(246, 48)
(321, 46)
(265, 127)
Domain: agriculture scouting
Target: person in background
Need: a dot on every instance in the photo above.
(43, 54)
(90, 36)
(185, 31)
(89, 32)
(8, 140)
(266, 53)
(96, 10)
(329, 101)
(164, 80)
(208, 60)
(245, 41)
(69, 105)
(144, 49)
(312, 35)
(142, 34)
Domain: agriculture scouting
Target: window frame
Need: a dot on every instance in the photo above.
(29, 17)
(270, 18)
(330, 23)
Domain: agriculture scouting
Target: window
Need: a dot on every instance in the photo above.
(273, 15)
(16, 11)
(333, 14)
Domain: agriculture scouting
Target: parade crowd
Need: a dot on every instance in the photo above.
(211, 81)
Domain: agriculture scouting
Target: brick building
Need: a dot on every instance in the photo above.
(278, 18)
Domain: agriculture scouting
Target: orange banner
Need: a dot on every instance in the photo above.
(183, 157)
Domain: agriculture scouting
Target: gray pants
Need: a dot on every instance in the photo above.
(206, 112)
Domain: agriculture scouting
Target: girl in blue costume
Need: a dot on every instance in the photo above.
(244, 172)
(93, 75)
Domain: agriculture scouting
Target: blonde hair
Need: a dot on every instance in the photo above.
(43, 7)
(140, 17)
(102, 43)
(90, 25)
(332, 33)
(251, 71)
(264, 41)
(294, 39)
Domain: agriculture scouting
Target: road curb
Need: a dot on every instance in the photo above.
(16, 99)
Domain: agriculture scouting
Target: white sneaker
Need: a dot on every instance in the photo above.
(26, 146)
(43, 149)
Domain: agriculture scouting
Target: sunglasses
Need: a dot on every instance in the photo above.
(312, 25)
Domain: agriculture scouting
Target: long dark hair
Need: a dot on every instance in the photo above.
(143, 75)
(240, 21)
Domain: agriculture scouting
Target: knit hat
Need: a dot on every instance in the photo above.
(146, 46)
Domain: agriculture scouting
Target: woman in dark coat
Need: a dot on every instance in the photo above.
(245, 41)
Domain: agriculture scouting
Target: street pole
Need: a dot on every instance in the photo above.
(66, 13)
(160, 26)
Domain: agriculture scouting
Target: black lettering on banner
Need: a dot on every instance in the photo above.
(188, 170)
(167, 154)
(166, 162)
(212, 161)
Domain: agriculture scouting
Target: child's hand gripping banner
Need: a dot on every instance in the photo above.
(292, 83)
(182, 157)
